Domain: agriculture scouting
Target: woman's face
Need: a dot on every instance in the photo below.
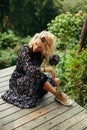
(37, 45)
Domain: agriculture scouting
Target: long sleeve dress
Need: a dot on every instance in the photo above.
(26, 82)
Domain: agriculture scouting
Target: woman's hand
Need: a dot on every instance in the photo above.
(51, 70)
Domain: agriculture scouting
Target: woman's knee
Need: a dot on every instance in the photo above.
(57, 81)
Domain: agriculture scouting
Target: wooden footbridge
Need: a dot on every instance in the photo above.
(49, 115)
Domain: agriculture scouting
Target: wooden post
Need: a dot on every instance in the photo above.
(83, 35)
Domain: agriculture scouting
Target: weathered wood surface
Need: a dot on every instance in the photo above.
(49, 115)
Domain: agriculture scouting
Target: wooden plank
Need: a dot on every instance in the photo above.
(9, 111)
(6, 109)
(5, 78)
(1, 127)
(5, 106)
(82, 125)
(59, 118)
(2, 93)
(4, 88)
(31, 116)
(2, 84)
(7, 71)
(24, 112)
(49, 114)
(44, 118)
(2, 101)
(67, 124)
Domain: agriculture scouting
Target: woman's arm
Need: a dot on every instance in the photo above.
(42, 69)
(49, 69)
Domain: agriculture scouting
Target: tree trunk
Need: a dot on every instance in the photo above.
(4, 11)
(83, 35)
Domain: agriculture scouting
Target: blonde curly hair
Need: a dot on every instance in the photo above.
(48, 39)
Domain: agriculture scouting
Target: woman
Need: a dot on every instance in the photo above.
(28, 82)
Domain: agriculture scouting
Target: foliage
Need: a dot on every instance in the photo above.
(72, 70)
(29, 17)
(74, 6)
(9, 39)
(7, 58)
(9, 46)
(75, 75)
(67, 28)
(4, 11)
(85, 106)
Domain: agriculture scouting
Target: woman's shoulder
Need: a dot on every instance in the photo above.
(25, 47)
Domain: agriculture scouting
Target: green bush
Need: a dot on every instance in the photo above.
(74, 6)
(67, 28)
(9, 46)
(75, 75)
(72, 70)
(7, 58)
(9, 39)
(34, 15)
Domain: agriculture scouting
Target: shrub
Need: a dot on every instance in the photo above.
(9, 39)
(74, 6)
(72, 68)
(7, 58)
(67, 28)
(72, 71)
(9, 46)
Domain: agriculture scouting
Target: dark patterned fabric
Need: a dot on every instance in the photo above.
(26, 82)
(54, 60)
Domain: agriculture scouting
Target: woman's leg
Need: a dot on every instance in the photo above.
(57, 82)
(60, 96)
(50, 88)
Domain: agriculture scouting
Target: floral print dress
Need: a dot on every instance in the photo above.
(26, 82)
